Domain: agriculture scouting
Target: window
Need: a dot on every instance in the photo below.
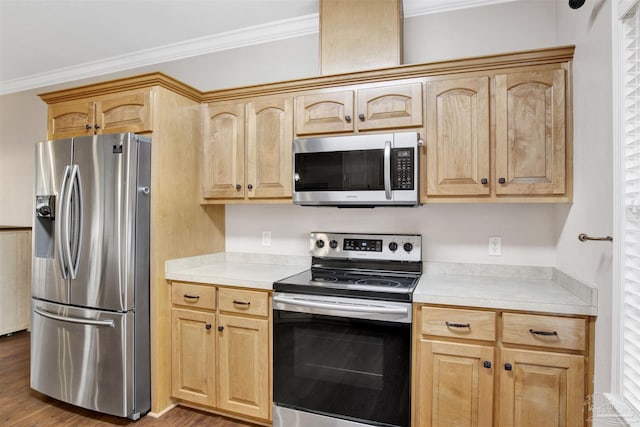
(628, 205)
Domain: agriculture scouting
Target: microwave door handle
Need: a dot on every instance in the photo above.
(387, 170)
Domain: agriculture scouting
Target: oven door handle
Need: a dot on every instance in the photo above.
(341, 307)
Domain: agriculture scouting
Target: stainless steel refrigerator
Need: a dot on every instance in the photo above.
(90, 289)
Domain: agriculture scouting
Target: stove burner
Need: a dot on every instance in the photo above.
(379, 282)
(324, 279)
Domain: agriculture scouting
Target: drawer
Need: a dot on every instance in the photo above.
(193, 295)
(458, 323)
(245, 302)
(544, 331)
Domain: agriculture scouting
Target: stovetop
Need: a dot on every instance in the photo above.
(375, 266)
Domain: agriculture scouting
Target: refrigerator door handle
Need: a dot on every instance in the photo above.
(62, 215)
(76, 189)
(82, 321)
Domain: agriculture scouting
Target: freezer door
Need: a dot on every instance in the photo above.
(50, 272)
(103, 254)
(83, 357)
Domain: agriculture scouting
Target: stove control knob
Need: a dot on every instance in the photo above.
(393, 246)
(320, 244)
(333, 244)
(408, 247)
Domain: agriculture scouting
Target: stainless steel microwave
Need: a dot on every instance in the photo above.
(358, 170)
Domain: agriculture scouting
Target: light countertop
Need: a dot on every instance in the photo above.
(257, 271)
(546, 295)
(539, 289)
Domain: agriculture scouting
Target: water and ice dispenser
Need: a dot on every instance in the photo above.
(44, 229)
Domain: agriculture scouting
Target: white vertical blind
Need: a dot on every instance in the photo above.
(630, 301)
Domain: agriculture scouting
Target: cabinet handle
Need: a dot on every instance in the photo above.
(502, 180)
(484, 181)
(487, 364)
(187, 296)
(207, 326)
(508, 367)
(347, 119)
(96, 126)
(87, 127)
(457, 325)
(361, 117)
(250, 186)
(220, 328)
(544, 333)
(238, 187)
(241, 302)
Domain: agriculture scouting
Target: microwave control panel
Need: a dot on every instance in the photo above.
(402, 161)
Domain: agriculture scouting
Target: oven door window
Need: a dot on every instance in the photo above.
(349, 368)
(357, 170)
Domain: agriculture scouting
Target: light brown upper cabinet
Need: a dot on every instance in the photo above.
(458, 130)
(123, 112)
(521, 119)
(247, 150)
(531, 133)
(395, 106)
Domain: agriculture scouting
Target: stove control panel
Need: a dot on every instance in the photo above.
(392, 247)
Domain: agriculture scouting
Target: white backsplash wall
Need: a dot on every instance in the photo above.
(450, 233)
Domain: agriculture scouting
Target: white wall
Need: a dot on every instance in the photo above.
(23, 122)
(589, 28)
(451, 232)
(455, 233)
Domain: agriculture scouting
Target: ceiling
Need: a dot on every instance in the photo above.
(45, 42)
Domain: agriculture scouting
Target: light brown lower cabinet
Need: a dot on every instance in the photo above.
(520, 370)
(456, 387)
(221, 350)
(193, 356)
(243, 383)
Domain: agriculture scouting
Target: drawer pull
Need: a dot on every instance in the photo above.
(508, 367)
(187, 296)
(487, 364)
(235, 301)
(457, 325)
(544, 333)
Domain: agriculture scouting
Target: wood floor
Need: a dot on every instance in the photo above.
(21, 406)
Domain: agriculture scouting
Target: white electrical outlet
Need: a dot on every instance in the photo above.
(495, 246)
(266, 238)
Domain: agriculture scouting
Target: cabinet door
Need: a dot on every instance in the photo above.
(243, 366)
(15, 280)
(193, 356)
(541, 389)
(69, 119)
(458, 137)
(387, 107)
(124, 112)
(322, 113)
(530, 133)
(455, 384)
(223, 152)
(269, 138)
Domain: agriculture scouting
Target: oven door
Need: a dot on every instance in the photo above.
(345, 363)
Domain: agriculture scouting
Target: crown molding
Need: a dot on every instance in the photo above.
(447, 6)
(248, 36)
